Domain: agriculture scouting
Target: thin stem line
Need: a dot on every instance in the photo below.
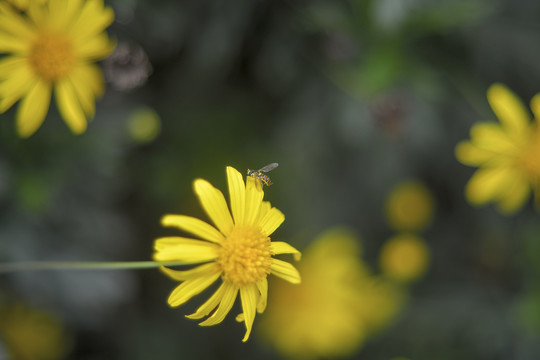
(81, 265)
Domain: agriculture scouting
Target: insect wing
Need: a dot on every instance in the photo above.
(269, 167)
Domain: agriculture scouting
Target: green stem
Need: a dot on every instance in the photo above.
(85, 265)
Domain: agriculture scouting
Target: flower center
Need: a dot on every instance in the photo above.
(245, 256)
(52, 56)
(530, 158)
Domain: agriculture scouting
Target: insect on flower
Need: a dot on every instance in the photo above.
(261, 176)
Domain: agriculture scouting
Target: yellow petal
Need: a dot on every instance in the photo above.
(515, 196)
(227, 301)
(472, 155)
(198, 271)
(285, 271)
(263, 210)
(280, 247)
(486, 184)
(189, 251)
(83, 92)
(193, 226)
(33, 108)
(64, 12)
(90, 75)
(18, 80)
(10, 64)
(273, 219)
(13, 44)
(254, 198)
(237, 194)
(210, 304)
(69, 106)
(508, 108)
(190, 288)
(93, 19)
(96, 48)
(491, 136)
(535, 106)
(248, 295)
(15, 25)
(262, 286)
(214, 204)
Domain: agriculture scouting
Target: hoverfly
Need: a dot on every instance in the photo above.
(261, 176)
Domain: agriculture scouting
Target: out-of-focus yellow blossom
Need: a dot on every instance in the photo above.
(143, 125)
(409, 207)
(53, 46)
(507, 153)
(30, 334)
(404, 257)
(337, 306)
(238, 250)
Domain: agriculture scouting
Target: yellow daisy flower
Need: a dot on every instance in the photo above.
(508, 154)
(53, 46)
(238, 250)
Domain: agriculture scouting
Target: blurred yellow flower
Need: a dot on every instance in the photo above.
(404, 257)
(143, 125)
(409, 206)
(508, 154)
(30, 334)
(238, 250)
(337, 306)
(53, 46)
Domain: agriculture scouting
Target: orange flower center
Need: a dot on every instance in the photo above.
(52, 56)
(245, 256)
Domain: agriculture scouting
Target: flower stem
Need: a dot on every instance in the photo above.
(84, 265)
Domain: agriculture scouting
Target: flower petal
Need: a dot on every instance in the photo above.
(491, 136)
(93, 18)
(82, 90)
(9, 64)
(12, 23)
(198, 271)
(69, 106)
(470, 154)
(285, 271)
(263, 210)
(227, 301)
(248, 295)
(214, 204)
(96, 48)
(33, 108)
(189, 251)
(193, 226)
(262, 286)
(254, 196)
(18, 81)
(280, 247)
(515, 196)
(210, 304)
(237, 194)
(190, 288)
(487, 184)
(535, 106)
(508, 108)
(271, 221)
